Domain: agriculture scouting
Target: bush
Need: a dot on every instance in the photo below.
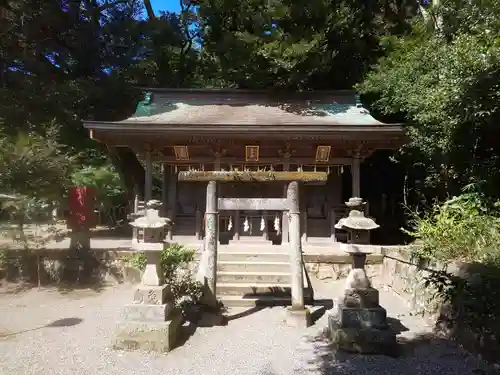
(465, 228)
(4, 259)
(175, 262)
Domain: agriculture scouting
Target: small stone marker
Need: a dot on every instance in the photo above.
(357, 322)
(150, 322)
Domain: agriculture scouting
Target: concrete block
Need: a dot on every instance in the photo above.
(368, 297)
(298, 318)
(152, 295)
(150, 336)
(357, 317)
(147, 313)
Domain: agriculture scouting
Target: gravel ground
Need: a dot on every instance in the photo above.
(77, 342)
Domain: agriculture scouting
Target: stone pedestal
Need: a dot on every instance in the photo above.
(150, 322)
(357, 322)
(298, 318)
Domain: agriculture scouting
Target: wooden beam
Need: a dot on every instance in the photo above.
(262, 160)
(194, 176)
(235, 204)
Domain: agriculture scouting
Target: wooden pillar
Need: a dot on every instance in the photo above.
(148, 185)
(217, 167)
(265, 232)
(355, 173)
(303, 216)
(296, 267)
(284, 217)
(236, 225)
(172, 200)
(198, 223)
(164, 188)
(217, 161)
(333, 220)
(211, 240)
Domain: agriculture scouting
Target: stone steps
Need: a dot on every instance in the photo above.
(245, 301)
(255, 277)
(253, 290)
(251, 277)
(257, 266)
(249, 256)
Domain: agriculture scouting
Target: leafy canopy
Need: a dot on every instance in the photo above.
(444, 80)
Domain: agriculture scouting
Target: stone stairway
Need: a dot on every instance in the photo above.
(254, 275)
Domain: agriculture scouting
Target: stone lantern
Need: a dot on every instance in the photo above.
(152, 243)
(150, 322)
(357, 322)
(362, 225)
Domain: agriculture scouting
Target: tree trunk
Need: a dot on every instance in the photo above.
(130, 169)
(149, 9)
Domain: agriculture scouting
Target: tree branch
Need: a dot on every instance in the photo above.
(149, 9)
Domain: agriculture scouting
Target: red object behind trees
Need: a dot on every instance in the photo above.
(81, 208)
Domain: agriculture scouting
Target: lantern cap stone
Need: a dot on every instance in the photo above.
(355, 202)
(356, 220)
(154, 203)
(151, 220)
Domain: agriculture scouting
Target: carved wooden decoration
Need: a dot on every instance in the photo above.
(361, 150)
(286, 151)
(218, 150)
(191, 176)
(252, 153)
(181, 153)
(323, 154)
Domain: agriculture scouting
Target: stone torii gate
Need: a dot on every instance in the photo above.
(290, 204)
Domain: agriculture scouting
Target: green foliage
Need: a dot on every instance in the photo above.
(174, 256)
(33, 166)
(137, 260)
(443, 82)
(4, 258)
(175, 265)
(295, 44)
(107, 182)
(465, 228)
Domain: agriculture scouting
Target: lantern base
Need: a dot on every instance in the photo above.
(150, 322)
(361, 329)
(151, 336)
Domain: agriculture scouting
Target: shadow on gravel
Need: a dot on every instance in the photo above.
(320, 307)
(248, 312)
(65, 322)
(186, 331)
(426, 354)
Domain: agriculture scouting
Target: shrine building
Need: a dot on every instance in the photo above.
(238, 130)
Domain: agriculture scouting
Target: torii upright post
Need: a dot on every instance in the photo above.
(295, 246)
(211, 242)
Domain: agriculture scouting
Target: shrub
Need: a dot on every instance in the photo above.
(465, 228)
(175, 262)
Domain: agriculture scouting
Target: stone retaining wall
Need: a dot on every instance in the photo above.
(61, 266)
(336, 266)
(111, 267)
(470, 316)
(403, 277)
